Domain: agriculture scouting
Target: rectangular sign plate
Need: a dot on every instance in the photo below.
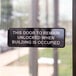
(36, 37)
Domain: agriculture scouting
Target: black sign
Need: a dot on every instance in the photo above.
(36, 37)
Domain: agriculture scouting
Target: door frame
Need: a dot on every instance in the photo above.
(74, 37)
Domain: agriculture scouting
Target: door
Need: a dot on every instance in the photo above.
(28, 61)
